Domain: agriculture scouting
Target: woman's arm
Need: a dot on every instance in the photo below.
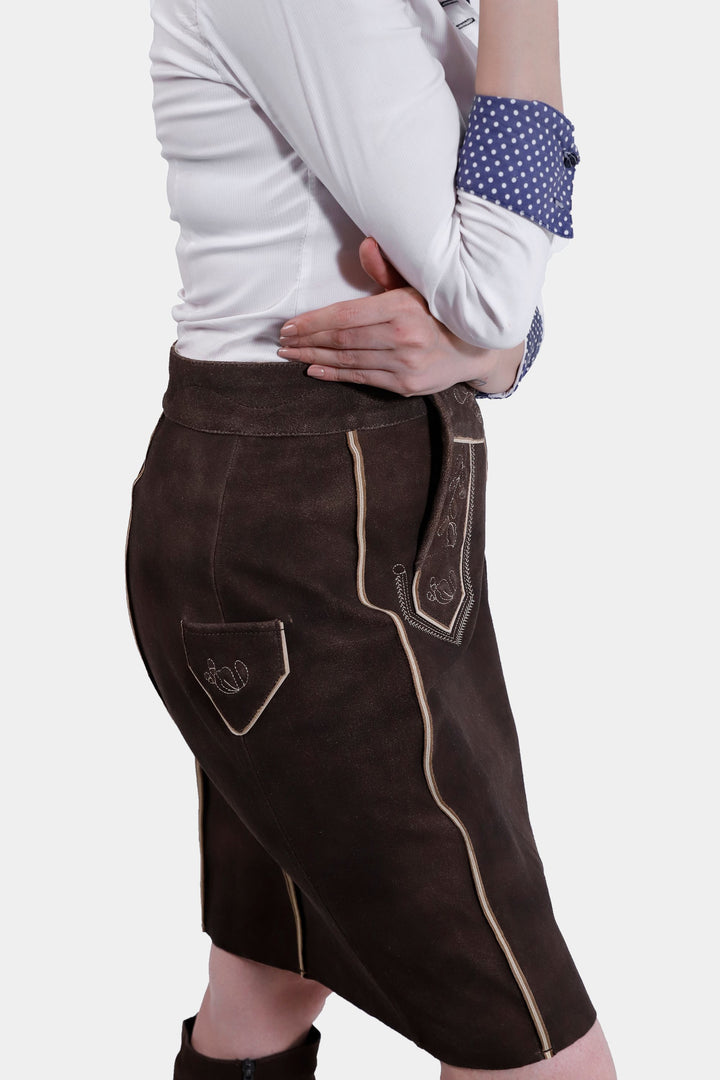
(519, 50)
(392, 341)
(354, 90)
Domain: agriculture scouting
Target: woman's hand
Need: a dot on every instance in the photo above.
(392, 341)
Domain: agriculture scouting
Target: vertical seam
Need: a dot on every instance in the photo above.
(310, 203)
(391, 1004)
(517, 972)
(221, 512)
(206, 44)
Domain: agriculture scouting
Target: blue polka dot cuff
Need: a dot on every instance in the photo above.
(520, 154)
(533, 341)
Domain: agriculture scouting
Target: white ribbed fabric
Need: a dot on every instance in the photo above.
(294, 128)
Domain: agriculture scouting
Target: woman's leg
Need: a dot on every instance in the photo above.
(251, 1010)
(587, 1059)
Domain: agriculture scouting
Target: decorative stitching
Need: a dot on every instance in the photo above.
(457, 490)
(227, 680)
(299, 434)
(461, 393)
(230, 629)
(444, 589)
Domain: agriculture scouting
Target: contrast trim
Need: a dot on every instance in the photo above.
(409, 598)
(201, 838)
(518, 974)
(462, 569)
(520, 154)
(298, 922)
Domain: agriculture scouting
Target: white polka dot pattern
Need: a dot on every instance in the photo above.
(520, 154)
(532, 348)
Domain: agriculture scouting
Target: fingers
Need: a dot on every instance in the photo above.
(365, 311)
(342, 358)
(377, 266)
(376, 336)
(386, 380)
(401, 335)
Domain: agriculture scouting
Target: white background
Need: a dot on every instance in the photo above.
(602, 550)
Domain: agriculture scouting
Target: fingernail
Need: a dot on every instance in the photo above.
(289, 330)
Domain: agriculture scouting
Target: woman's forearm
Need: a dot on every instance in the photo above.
(519, 50)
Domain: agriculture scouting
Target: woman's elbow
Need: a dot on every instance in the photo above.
(485, 325)
(503, 335)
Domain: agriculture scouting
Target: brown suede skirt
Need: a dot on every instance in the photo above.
(307, 588)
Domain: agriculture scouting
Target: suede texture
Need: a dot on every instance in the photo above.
(297, 1063)
(307, 586)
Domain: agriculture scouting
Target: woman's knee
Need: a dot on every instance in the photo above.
(588, 1058)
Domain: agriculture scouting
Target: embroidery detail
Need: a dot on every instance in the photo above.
(457, 491)
(443, 591)
(225, 679)
(461, 393)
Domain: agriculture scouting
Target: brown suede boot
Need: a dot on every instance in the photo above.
(297, 1063)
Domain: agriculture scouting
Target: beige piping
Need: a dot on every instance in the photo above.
(296, 916)
(519, 975)
(201, 839)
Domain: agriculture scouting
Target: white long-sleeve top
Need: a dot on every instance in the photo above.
(294, 128)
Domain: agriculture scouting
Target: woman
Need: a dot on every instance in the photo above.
(305, 565)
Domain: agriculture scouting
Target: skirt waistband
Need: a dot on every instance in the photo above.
(253, 397)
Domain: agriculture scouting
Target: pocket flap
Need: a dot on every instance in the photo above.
(239, 666)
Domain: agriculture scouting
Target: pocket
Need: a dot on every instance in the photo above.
(441, 593)
(240, 666)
